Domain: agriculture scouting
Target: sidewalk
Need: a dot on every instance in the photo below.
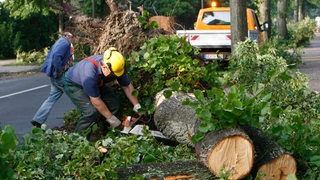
(311, 63)
(6, 68)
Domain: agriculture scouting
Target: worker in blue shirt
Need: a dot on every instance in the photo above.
(58, 59)
(85, 84)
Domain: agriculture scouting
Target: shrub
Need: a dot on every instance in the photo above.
(32, 57)
(302, 32)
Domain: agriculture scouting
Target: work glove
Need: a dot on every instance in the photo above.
(136, 108)
(114, 121)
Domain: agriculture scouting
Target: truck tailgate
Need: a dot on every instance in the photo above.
(207, 38)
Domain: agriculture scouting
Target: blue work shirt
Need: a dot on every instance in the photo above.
(57, 57)
(88, 76)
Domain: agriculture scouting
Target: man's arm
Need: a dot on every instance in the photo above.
(128, 91)
(101, 106)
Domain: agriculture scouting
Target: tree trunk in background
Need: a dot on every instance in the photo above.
(296, 11)
(239, 27)
(264, 9)
(61, 19)
(300, 16)
(93, 8)
(281, 21)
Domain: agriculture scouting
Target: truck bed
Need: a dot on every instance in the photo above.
(207, 38)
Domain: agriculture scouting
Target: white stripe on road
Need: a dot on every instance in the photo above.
(20, 92)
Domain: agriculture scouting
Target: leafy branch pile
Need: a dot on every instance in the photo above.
(57, 154)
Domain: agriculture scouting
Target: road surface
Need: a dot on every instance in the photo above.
(21, 97)
(311, 63)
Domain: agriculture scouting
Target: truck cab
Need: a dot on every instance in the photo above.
(218, 18)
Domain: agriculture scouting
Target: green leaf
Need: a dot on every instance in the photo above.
(197, 137)
(199, 95)
(265, 109)
(167, 93)
(204, 115)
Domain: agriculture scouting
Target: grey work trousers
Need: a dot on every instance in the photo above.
(88, 113)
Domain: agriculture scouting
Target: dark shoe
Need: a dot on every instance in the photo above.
(36, 124)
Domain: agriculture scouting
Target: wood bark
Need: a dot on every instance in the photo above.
(173, 119)
(264, 9)
(296, 11)
(281, 21)
(191, 169)
(271, 160)
(239, 27)
(164, 22)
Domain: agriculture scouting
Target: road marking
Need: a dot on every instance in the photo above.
(24, 91)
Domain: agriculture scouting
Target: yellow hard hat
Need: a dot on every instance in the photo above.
(114, 60)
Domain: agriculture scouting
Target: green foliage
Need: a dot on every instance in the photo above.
(8, 144)
(25, 9)
(144, 21)
(302, 32)
(165, 62)
(100, 8)
(6, 34)
(19, 26)
(293, 121)
(71, 118)
(220, 109)
(55, 154)
(282, 48)
(185, 12)
(32, 57)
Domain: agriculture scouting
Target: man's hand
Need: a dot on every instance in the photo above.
(114, 121)
(136, 108)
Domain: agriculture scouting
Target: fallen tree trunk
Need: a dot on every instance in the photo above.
(230, 150)
(238, 151)
(167, 171)
(271, 160)
(173, 119)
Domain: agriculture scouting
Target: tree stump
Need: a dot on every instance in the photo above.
(271, 160)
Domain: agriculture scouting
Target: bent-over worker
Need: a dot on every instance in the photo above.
(85, 84)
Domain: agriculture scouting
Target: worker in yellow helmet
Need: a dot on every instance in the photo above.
(86, 84)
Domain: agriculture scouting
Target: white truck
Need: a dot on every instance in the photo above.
(212, 32)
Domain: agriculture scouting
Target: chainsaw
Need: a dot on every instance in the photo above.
(135, 126)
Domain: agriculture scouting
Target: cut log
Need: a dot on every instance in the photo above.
(271, 160)
(167, 171)
(173, 119)
(227, 150)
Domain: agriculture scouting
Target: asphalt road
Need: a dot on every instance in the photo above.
(21, 97)
(311, 63)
